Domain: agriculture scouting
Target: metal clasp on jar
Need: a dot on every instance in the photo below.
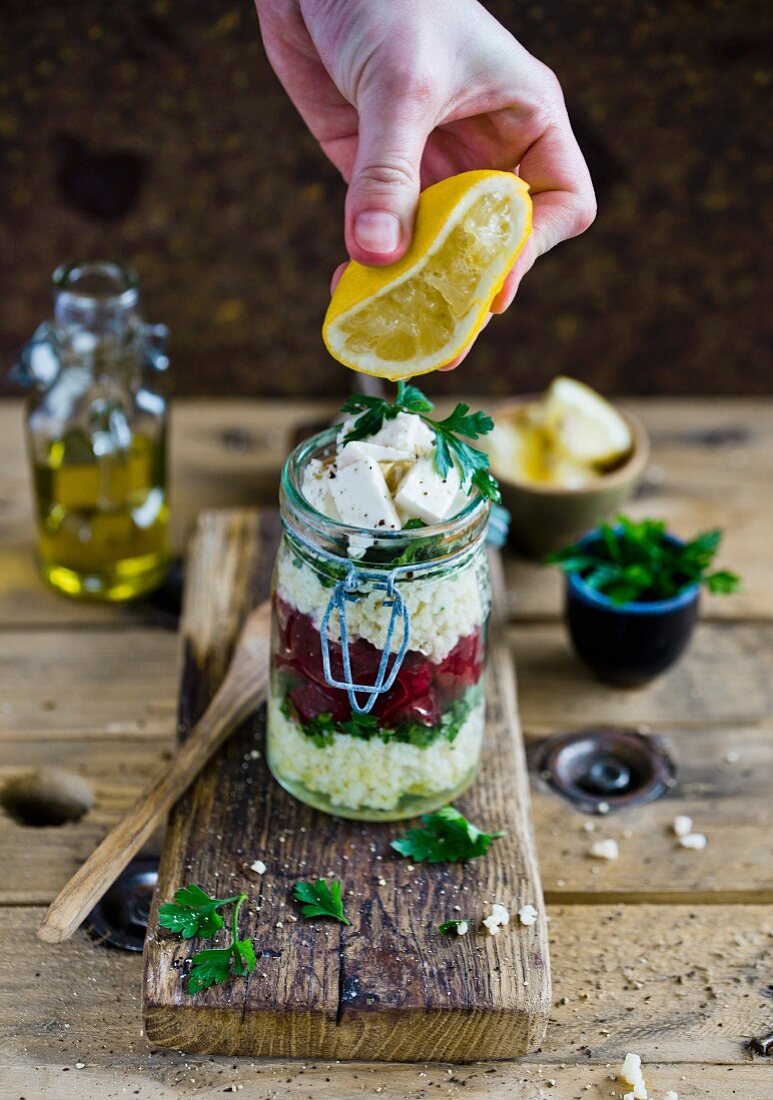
(346, 591)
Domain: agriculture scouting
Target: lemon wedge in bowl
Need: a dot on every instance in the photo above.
(420, 313)
(585, 428)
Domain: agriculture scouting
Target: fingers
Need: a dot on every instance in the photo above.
(384, 187)
(336, 277)
(563, 200)
(561, 188)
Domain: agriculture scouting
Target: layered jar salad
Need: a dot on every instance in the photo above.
(377, 526)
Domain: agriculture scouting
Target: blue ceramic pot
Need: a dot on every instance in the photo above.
(631, 644)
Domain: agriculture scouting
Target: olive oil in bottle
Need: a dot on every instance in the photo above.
(96, 431)
(102, 520)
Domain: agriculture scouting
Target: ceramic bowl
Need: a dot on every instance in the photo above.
(628, 645)
(546, 517)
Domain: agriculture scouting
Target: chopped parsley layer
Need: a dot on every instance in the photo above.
(365, 727)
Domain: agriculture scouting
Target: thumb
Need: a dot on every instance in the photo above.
(385, 182)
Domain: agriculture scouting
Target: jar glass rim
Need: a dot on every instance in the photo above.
(473, 516)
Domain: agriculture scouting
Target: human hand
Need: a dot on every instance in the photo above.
(401, 94)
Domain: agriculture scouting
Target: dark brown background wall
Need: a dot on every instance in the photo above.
(155, 132)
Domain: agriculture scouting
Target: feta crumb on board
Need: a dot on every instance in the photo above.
(527, 915)
(258, 866)
(605, 849)
(462, 928)
(696, 841)
(682, 825)
(671, 1095)
(362, 496)
(499, 916)
(631, 1072)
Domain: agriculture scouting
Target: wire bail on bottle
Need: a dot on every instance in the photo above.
(349, 590)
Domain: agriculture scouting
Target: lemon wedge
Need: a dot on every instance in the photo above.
(585, 428)
(420, 313)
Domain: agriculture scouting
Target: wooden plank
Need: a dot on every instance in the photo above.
(700, 995)
(40, 859)
(126, 681)
(724, 678)
(390, 985)
(185, 1077)
(728, 800)
(712, 464)
(119, 681)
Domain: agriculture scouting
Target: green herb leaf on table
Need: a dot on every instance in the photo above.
(215, 965)
(450, 434)
(318, 899)
(210, 967)
(447, 837)
(193, 912)
(449, 926)
(634, 561)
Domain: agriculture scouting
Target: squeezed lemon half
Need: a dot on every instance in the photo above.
(420, 313)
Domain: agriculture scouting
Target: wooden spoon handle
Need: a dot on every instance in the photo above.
(242, 691)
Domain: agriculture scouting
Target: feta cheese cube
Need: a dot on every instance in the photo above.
(258, 866)
(682, 825)
(425, 494)
(362, 496)
(407, 433)
(697, 841)
(316, 488)
(605, 849)
(528, 915)
(359, 449)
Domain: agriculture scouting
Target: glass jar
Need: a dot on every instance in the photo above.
(96, 432)
(376, 705)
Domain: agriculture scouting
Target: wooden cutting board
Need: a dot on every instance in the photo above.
(390, 986)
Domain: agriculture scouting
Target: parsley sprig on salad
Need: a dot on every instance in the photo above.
(451, 434)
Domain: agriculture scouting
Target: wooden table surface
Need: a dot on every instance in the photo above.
(665, 952)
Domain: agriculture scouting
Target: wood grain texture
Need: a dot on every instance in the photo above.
(712, 463)
(292, 1081)
(242, 689)
(729, 800)
(685, 986)
(390, 986)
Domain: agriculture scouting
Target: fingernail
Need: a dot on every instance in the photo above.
(377, 231)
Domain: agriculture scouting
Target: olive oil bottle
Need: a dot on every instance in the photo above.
(96, 432)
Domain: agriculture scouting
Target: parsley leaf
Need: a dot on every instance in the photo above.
(634, 561)
(451, 925)
(449, 447)
(213, 966)
(193, 912)
(447, 837)
(320, 900)
(210, 967)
